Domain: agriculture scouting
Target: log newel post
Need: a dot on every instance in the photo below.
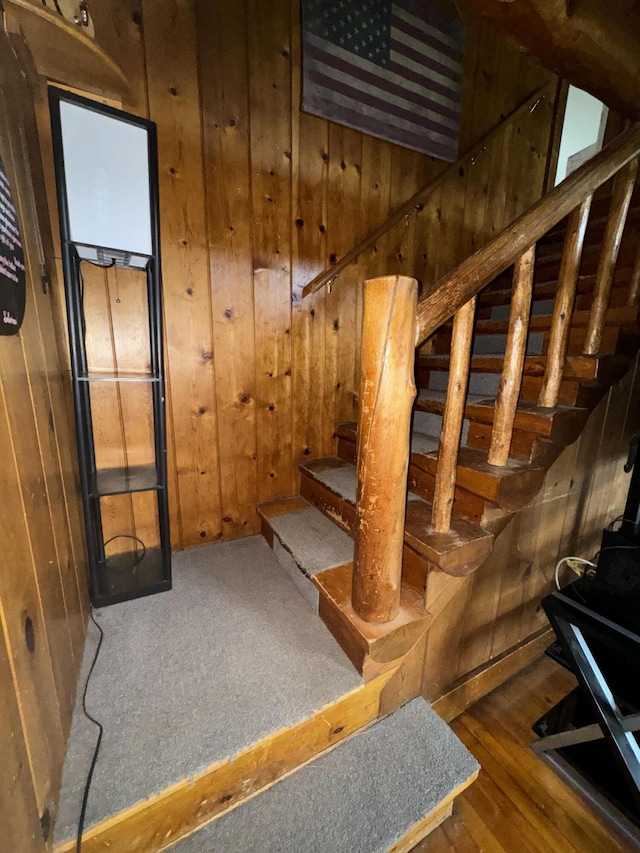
(387, 392)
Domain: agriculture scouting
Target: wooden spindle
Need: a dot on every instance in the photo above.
(387, 392)
(620, 199)
(513, 365)
(634, 284)
(453, 416)
(563, 306)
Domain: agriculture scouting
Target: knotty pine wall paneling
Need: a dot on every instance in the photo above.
(43, 591)
(257, 198)
(224, 95)
(498, 607)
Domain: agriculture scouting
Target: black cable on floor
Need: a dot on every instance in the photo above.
(85, 796)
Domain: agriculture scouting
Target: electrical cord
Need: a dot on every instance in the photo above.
(85, 796)
(136, 560)
(580, 560)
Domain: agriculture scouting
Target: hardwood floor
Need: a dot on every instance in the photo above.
(519, 803)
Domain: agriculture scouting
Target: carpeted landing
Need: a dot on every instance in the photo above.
(362, 797)
(189, 677)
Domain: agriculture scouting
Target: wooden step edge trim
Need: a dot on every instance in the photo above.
(433, 820)
(495, 485)
(460, 561)
(481, 681)
(372, 647)
(154, 824)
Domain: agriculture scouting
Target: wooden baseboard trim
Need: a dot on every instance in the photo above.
(149, 826)
(485, 679)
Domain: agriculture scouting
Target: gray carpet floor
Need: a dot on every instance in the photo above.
(189, 677)
(362, 797)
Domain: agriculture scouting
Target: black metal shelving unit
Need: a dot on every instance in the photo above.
(134, 573)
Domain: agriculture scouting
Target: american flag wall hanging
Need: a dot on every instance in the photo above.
(392, 70)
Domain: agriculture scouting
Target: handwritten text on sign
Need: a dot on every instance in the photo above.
(12, 271)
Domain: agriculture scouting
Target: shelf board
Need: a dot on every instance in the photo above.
(118, 376)
(119, 481)
(122, 578)
(62, 52)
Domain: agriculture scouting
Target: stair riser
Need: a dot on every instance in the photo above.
(414, 567)
(572, 393)
(577, 337)
(546, 289)
(548, 264)
(148, 827)
(479, 496)
(465, 504)
(525, 446)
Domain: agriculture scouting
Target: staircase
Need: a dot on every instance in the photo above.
(522, 341)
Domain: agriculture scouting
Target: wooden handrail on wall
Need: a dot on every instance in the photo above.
(417, 201)
(471, 276)
(387, 389)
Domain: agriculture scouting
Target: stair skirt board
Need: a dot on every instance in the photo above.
(188, 679)
(382, 790)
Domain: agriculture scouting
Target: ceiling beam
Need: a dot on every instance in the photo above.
(594, 44)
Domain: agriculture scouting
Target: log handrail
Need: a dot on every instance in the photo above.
(416, 202)
(456, 288)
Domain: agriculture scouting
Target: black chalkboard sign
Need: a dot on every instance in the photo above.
(12, 271)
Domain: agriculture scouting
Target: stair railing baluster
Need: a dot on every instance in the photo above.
(515, 352)
(453, 416)
(634, 284)
(563, 305)
(620, 199)
(387, 392)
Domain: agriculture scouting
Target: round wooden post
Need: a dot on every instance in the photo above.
(620, 199)
(563, 306)
(514, 356)
(451, 431)
(387, 392)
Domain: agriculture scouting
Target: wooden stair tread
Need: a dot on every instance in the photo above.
(546, 284)
(621, 316)
(555, 424)
(372, 647)
(509, 487)
(459, 551)
(584, 367)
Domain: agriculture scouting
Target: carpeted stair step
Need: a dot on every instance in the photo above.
(207, 693)
(509, 487)
(330, 484)
(310, 546)
(381, 791)
(305, 542)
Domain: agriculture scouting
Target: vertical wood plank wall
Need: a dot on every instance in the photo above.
(43, 590)
(256, 199)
